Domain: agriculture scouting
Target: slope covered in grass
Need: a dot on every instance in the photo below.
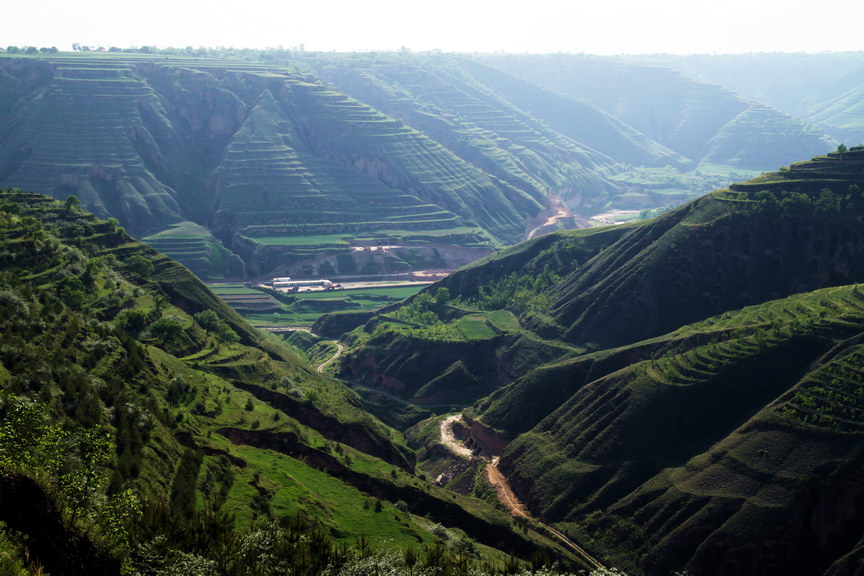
(120, 370)
(776, 235)
(732, 442)
(690, 399)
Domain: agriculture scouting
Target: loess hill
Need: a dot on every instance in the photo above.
(236, 167)
(679, 394)
(120, 371)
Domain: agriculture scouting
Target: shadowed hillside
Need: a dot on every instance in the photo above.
(731, 443)
(646, 409)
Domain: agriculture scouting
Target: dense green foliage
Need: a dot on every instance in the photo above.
(127, 386)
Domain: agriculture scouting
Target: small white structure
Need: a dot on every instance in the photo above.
(288, 283)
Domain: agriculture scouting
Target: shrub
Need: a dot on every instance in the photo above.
(140, 265)
(210, 321)
(167, 330)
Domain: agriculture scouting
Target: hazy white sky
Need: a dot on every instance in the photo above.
(599, 26)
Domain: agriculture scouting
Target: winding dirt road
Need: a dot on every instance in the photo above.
(505, 494)
(332, 359)
(502, 489)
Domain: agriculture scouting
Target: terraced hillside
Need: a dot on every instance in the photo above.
(754, 452)
(75, 133)
(123, 380)
(836, 107)
(263, 157)
(195, 247)
(454, 102)
(286, 170)
(255, 153)
(488, 116)
(637, 401)
(781, 80)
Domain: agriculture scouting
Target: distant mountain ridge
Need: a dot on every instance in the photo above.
(238, 166)
(702, 122)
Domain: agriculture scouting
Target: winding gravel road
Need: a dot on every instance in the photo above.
(332, 359)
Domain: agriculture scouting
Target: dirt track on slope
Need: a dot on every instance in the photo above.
(505, 494)
(502, 489)
(449, 440)
(332, 359)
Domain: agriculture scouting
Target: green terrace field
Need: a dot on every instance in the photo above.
(325, 240)
(303, 308)
(480, 326)
(193, 246)
(668, 186)
(463, 235)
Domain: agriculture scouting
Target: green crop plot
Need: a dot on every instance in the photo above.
(372, 295)
(475, 328)
(232, 288)
(314, 240)
(304, 308)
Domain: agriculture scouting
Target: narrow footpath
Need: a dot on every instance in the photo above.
(505, 493)
(332, 359)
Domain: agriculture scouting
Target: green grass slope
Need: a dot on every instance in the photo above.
(734, 442)
(457, 351)
(657, 438)
(782, 233)
(572, 292)
(766, 238)
(211, 424)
